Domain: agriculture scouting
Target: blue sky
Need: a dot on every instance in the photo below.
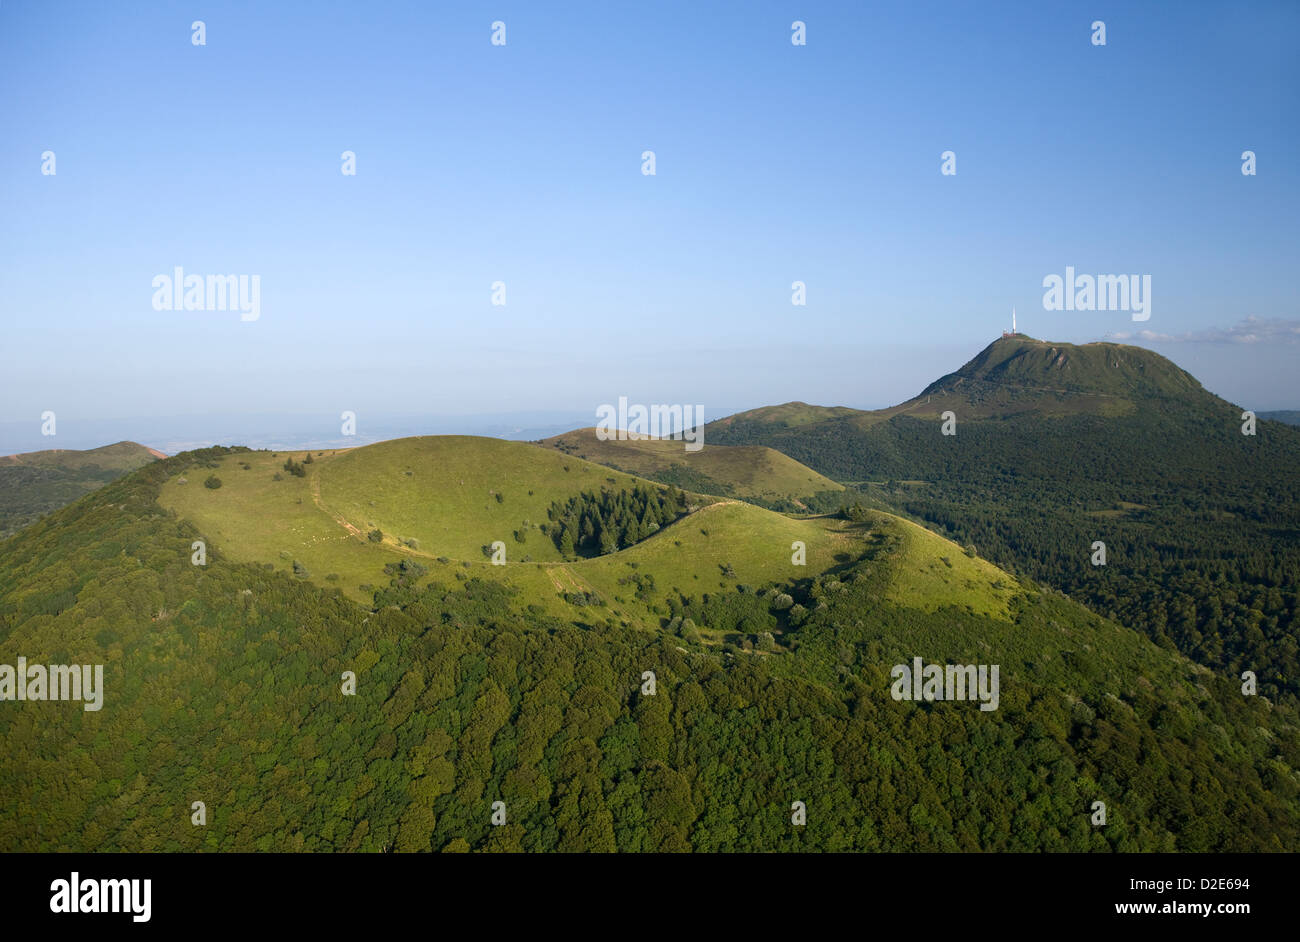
(775, 163)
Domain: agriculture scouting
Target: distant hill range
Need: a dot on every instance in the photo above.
(1289, 416)
(1009, 377)
(37, 482)
(1059, 446)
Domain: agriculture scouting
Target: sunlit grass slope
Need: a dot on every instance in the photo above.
(256, 519)
(932, 572)
(714, 549)
(446, 509)
(744, 471)
(455, 494)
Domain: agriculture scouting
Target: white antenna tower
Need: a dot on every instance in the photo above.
(1013, 320)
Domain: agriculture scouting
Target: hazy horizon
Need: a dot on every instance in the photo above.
(175, 433)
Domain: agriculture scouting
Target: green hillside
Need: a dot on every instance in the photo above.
(455, 494)
(222, 683)
(1011, 376)
(34, 483)
(446, 506)
(1058, 446)
(746, 472)
(122, 456)
(789, 415)
(445, 511)
(1103, 369)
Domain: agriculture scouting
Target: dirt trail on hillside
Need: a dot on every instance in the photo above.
(342, 521)
(336, 517)
(558, 574)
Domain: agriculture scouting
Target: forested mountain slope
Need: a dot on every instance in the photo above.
(223, 685)
(37, 482)
(1057, 447)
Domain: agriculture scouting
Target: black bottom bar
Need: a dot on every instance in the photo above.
(258, 891)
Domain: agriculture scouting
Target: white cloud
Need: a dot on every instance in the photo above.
(1251, 330)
